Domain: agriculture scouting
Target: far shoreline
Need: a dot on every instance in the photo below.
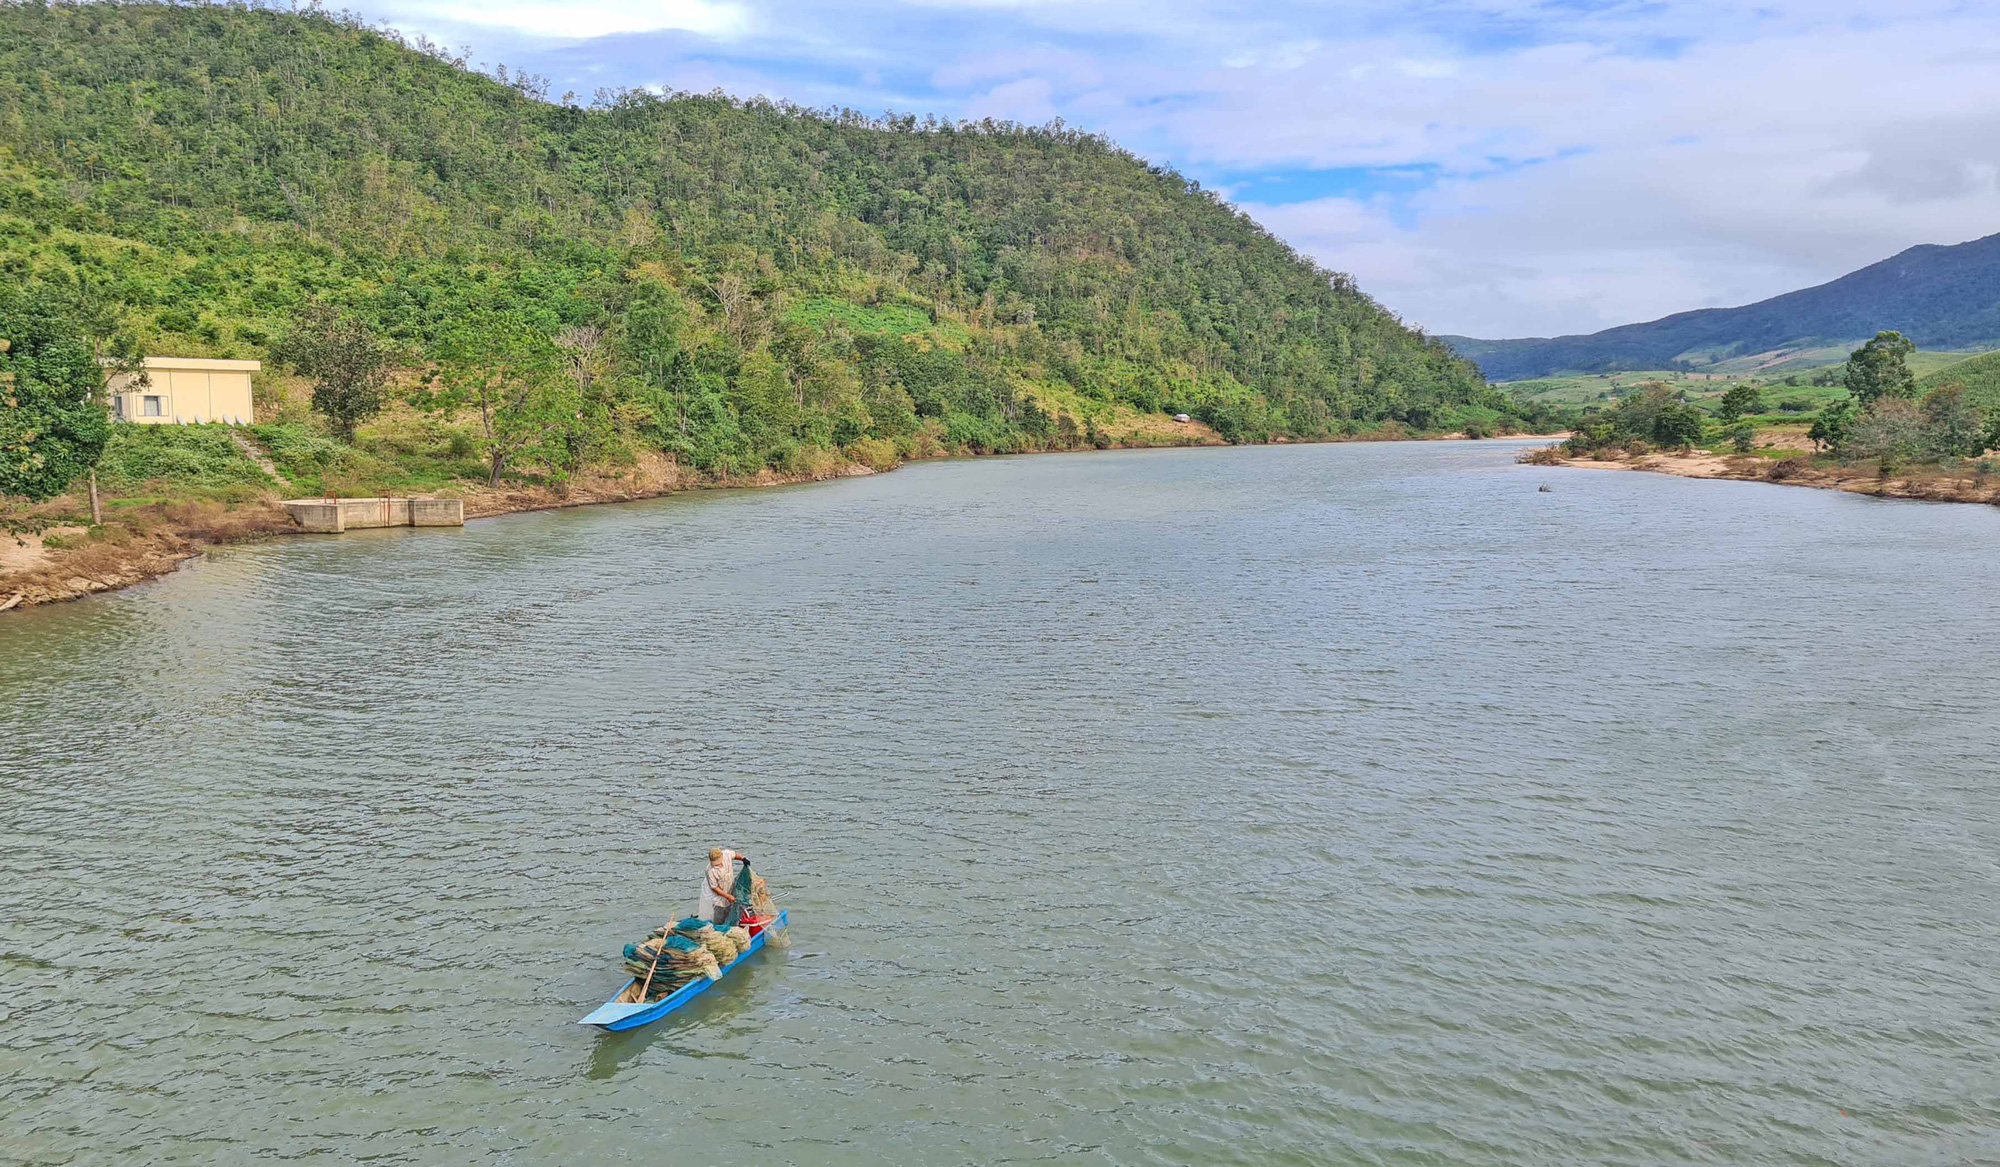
(1928, 484)
(47, 580)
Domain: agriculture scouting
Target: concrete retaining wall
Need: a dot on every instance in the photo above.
(334, 515)
(437, 512)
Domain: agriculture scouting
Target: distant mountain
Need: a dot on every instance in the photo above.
(1941, 297)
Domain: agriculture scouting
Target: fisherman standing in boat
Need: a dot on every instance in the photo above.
(715, 895)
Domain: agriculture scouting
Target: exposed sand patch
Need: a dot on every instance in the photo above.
(1928, 485)
(24, 552)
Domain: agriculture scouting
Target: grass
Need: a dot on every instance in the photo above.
(194, 461)
(895, 319)
(1705, 385)
(1980, 375)
(1604, 388)
(401, 452)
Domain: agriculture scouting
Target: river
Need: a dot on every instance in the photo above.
(1284, 805)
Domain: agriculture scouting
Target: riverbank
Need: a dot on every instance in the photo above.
(67, 561)
(1923, 483)
(137, 544)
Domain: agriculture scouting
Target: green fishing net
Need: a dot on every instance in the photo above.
(740, 891)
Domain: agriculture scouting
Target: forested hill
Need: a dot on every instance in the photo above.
(1940, 297)
(767, 276)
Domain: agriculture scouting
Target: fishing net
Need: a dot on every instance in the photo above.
(739, 894)
(765, 907)
(718, 944)
(670, 960)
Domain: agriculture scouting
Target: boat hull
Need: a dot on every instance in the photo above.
(615, 1016)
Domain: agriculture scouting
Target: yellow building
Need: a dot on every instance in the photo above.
(185, 389)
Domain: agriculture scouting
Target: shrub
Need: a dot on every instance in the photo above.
(1740, 399)
(814, 462)
(1891, 430)
(199, 456)
(874, 453)
(298, 449)
(179, 320)
(963, 431)
(1677, 424)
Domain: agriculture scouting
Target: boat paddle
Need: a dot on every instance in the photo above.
(657, 953)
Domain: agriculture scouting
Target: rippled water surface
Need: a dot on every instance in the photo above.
(1332, 804)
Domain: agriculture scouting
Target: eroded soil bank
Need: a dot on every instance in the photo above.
(1928, 484)
(141, 543)
(136, 544)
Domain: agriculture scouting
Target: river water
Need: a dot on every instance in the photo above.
(1293, 805)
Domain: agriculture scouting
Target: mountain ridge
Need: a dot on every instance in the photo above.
(827, 277)
(1943, 296)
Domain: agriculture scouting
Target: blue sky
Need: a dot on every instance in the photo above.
(1488, 167)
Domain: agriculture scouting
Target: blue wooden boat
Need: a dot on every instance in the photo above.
(615, 1016)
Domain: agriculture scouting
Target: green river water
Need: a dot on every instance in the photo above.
(1292, 805)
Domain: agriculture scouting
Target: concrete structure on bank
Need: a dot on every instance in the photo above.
(331, 516)
(185, 389)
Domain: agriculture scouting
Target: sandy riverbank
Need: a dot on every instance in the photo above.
(1924, 484)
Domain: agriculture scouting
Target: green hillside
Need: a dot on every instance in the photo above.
(767, 279)
(1980, 376)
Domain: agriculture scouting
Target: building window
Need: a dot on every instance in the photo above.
(118, 408)
(149, 406)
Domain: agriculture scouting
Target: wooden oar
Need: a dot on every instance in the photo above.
(657, 954)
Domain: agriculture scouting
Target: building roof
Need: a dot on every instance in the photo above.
(203, 364)
(199, 365)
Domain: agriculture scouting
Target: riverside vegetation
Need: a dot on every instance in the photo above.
(1886, 432)
(458, 284)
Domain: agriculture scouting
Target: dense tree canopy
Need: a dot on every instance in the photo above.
(763, 277)
(53, 424)
(1881, 369)
(345, 362)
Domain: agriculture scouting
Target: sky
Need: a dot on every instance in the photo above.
(1490, 168)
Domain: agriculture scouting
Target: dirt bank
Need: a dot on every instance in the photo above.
(141, 543)
(1928, 484)
(144, 543)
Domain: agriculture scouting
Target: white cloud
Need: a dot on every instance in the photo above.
(587, 19)
(1027, 100)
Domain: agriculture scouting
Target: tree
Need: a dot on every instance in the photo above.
(349, 368)
(514, 376)
(1881, 369)
(1740, 399)
(1830, 429)
(1677, 424)
(1956, 429)
(1742, 437)
(53, 418)
(586, 353)
(1892, 429)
